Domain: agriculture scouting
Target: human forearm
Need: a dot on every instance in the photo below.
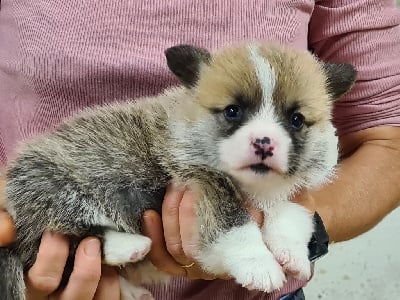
(367, 186)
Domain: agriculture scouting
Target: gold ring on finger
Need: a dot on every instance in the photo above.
(188, 266)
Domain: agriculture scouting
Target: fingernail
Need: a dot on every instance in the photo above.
(92, 248)
(148, 218)
(49, 234)
(177, 187)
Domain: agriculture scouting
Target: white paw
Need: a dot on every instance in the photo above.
(144, 272)
(259, 273)
(120, 248)
(294, 261)
(133, 292)
(287, 230)
(242, 254)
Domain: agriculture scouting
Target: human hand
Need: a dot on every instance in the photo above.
(7, 230)
(89, 279)
(174, 237)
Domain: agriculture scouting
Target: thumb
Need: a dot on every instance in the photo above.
(7, 229)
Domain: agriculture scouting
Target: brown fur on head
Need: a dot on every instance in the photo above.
(273, 89)
(229, 73)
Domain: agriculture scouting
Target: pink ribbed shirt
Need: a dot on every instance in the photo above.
(58, 56)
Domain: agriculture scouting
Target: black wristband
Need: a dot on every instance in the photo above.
(318, 245)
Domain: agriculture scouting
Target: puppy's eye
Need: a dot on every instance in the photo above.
(233, 113)
(297, 120)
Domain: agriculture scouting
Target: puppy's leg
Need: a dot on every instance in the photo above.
(134, 275)
(144, 272)
(120, 248)
(287, 230)
(241, 253)
(131, 291)
(231, 242)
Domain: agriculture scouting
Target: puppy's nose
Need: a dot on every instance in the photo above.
(263, 141)
(263, 147)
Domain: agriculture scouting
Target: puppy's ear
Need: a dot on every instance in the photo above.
(340, 78)
(186, 61)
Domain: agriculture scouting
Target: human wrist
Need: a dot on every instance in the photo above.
(326, 214)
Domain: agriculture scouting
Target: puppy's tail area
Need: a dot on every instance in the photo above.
(12, 286)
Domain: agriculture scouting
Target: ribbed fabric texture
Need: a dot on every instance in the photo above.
(366, 34)
(60, 56)
(57, 57)
(183, 289)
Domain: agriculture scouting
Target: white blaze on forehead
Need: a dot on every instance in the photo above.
(266, 78)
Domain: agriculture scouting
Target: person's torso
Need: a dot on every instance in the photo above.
(60, 56)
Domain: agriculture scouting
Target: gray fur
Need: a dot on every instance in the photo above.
(103, 168)
(10, 267)
(340, 78)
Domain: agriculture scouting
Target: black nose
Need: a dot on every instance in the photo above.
(262, 148)
(263, 141)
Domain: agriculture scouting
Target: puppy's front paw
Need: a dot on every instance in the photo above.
(294, 261)
(286, 232)
(242, 254)
(129, 291)
(261, 273)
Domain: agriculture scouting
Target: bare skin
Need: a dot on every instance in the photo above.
(7, 231)
(89, 279)
(365, 191)
(367, 187)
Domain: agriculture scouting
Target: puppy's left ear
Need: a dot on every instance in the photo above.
(186, 61)
(340, 78)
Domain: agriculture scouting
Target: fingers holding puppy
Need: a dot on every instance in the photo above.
(85, 276)
(174, 237)
(88, 280)
(7, 229)
(44, 277)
